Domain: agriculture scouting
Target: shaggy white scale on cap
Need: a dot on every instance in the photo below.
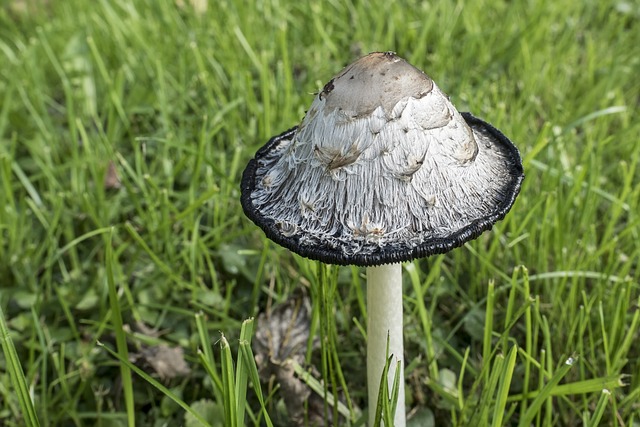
(383, 168)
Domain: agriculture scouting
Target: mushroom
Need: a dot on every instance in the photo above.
(383, 169)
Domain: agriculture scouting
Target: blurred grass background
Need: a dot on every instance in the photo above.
(125, 126)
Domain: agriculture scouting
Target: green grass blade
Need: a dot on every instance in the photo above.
(382, 407)
(228, 385)
(488, 326)
(460, 391)
(630, 336)
(215, 378)
(395, 389)
(242, 376)
(503, 387)
(545, 393)
(207, 356)
(591, 385)
(250, 362)
(491, 383)
(600, 408)
(121, 337)
(16, 374)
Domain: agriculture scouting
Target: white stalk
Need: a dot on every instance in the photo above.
(384, 316)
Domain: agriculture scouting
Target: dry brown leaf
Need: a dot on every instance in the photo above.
(280, 341)
(111, 178)
(167, 362)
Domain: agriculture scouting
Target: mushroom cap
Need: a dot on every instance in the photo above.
(382, 169)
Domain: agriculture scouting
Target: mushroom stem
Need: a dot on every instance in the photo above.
(384, 318)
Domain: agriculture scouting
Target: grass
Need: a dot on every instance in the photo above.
(177, 100)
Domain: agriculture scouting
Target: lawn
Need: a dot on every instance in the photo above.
(127, 268)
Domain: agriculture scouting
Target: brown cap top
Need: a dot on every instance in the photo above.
(378, 79)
